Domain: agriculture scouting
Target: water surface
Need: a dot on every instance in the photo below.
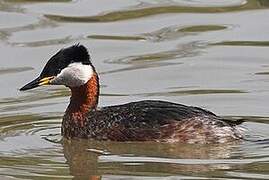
(207, 53)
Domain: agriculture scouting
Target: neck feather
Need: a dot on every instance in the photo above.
(84, 98)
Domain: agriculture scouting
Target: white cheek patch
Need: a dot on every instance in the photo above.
(74, 75)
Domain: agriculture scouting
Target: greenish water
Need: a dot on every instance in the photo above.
(207, 53)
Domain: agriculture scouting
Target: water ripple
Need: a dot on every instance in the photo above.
(36, 95)
(175, 32)
(193, 92)
(124, 159)
(133, 13)
(113, 37)
(6, 33)
(49, 42)
(158, 59)
(164, 34)
(182, 93)
(243, 43)
(31, 124)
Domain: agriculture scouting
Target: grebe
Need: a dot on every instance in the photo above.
(147, 120)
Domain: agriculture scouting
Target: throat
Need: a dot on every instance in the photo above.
(83, 99)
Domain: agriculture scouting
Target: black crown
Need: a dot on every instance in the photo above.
(64, 57)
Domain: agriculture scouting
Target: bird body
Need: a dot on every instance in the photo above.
(148, 120)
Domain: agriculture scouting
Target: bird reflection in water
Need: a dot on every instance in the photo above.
(88, 159)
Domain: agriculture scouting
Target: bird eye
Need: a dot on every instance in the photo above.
(58, 70)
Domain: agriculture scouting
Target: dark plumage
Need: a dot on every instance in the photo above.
(154, 121)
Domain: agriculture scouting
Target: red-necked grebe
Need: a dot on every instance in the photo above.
(147, 120)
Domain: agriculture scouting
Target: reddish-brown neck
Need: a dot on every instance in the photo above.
(84, 98)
